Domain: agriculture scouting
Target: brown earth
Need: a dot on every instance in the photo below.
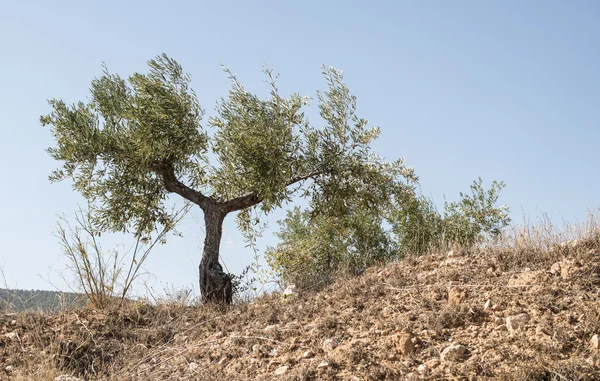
(498, 313)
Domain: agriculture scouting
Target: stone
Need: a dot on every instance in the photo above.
(422, 369)
(567, 269)
(11, 335)
(290, 291)
(308, 354)
(555, 268)
(256, 349)
(404, 343)
(487, 305)
(516, 322)
(8, 368)
(455, 353)
(281, 370)
(456, 296)
(323, 364)
(595, 342)
(387, 311)
(330, 344)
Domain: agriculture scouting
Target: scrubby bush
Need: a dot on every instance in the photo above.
(312, 249)
(475, 217)
(105, 277)
(420, 227)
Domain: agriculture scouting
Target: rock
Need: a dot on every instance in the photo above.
(422, 369)
(405, 343)
(281, 370)
(595, 342)
(455, 353)
(387, 311)
(323, 364)
(11, 335)
(456, 296)
(567, 269)
(8, 368)
(498, 321)
(555, 268)
(308, 354)
(290, 291)
(330, 344)
(64, 377)
(487, 305)
(256, 350)
(515, 322)
(527, 279)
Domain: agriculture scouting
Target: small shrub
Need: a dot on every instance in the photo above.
(420, 227)
(103, 276)
(313, 249)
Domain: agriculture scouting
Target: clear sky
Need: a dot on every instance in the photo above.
(506, 90)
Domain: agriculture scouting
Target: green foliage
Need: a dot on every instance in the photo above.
(139, 139)
(113, 146)
(313, 249)
(475, 217)
(420, 227)
(39, 300)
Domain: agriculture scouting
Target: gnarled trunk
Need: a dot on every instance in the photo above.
(215, 285)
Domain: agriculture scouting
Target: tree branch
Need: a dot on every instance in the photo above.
(173, 185)
(252, 199)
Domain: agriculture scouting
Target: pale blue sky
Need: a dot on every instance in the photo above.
(506, 90)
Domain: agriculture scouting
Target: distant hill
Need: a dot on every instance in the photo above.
(39, 300)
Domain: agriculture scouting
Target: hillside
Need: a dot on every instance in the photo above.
(515, 313)
(15, 300)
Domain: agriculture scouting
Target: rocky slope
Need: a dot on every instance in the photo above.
(512, 313)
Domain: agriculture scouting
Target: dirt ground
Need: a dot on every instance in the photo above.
(512, 313)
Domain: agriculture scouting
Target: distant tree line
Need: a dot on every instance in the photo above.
(39, 300)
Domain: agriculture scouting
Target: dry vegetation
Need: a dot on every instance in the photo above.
(525, 309)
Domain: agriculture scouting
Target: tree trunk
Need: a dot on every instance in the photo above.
(215, 285)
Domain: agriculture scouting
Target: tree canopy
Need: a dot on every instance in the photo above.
(139, 139)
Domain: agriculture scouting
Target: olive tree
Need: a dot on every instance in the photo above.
(139, 140)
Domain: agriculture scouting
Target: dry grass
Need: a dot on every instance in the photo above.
(439, 299)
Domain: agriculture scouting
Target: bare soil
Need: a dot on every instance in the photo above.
(506, 313)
